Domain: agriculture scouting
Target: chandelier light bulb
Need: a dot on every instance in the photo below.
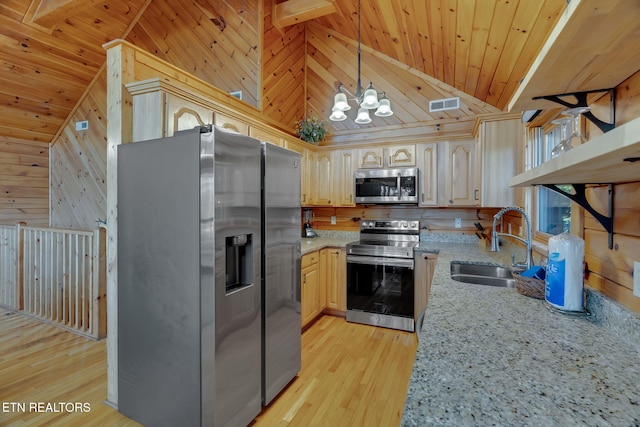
(363, 116)
(384, 110)
(337, 115)
(340, 102)
(370, 99)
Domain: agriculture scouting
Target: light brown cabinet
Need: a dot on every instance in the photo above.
(183, 115)
(311, 293)
(333, 277)
(499, 148)
(266, 136)
(307, 160)
(396, 156)
(425, 264)
(343, 181)
(231, 123)
(458, 160)
(427, 161)
(401, 156)
(322, 194)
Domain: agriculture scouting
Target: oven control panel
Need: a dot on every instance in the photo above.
(389, 225)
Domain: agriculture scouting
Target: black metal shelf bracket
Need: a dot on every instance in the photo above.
(580, 198)
(581, 101)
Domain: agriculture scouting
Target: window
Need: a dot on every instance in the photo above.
(551, 210)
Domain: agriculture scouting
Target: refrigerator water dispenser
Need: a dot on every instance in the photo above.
(239, 262)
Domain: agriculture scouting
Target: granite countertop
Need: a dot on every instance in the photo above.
(326, 239)
(491, 356)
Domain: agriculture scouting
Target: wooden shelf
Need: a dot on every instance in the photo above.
(599, 161)
(595, 45)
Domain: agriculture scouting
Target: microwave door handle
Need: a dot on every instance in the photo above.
(398, 183)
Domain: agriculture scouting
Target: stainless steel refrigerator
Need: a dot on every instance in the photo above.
(281, 268)
(190, 285)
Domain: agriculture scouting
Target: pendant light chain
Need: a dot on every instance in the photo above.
(367, 100)
(359, 88)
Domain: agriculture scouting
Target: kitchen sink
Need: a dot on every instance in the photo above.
(482, 274)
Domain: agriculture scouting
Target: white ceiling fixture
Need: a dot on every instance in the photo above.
(367, 101)
(444, 104)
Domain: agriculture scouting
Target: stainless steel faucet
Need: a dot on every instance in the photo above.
(495, 247)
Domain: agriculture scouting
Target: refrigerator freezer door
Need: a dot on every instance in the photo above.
(238, 289)
(158, 281)
(281, 269)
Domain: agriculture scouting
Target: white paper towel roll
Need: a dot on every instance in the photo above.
(564, 279)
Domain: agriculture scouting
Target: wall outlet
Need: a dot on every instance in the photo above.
(458, 222)
(83, 125)
(333, 220)
(636, 278)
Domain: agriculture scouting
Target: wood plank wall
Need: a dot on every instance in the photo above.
(437, 220)
(217, 41)
(79, 165)
(283, 71)
(24, 182)
(610, 271)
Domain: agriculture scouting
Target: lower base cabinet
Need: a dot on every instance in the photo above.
(311, 301)
(323, 283)
(333, 275)
(425, 264)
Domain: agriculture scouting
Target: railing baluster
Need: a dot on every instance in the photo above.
(55, 275)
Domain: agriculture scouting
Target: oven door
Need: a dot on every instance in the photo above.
(380, 291)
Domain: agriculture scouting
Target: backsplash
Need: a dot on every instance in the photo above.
(448, 237)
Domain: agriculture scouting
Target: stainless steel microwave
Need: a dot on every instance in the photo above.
(374, 186)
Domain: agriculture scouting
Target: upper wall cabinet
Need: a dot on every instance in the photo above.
(427, 161)
(343, 180)
(500, 147)
(307, 157)
(266, 136)
(323, 183)
(370, 158)
(182, 115)
(395, 156)
(458, 178)
(231, 123)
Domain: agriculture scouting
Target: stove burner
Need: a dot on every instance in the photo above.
(386, 238)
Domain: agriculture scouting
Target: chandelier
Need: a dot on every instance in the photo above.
(366, 101)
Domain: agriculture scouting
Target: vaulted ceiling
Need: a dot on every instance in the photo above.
(414, 50)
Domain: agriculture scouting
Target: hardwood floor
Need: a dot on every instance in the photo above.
(352, 375)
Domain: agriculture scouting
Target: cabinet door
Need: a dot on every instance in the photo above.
(424, 267)
(265, 136)
(500, 142)
(460, 174)
(307, 169)
(333, 262)
(427, 160)
(309, 296)
(343, 178)
(370, 158)
(401, 156)
(183, 115)
(231, 124)
(322, 194)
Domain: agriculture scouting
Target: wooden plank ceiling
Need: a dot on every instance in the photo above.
(414, 50)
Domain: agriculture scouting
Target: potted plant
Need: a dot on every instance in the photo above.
(311, 129)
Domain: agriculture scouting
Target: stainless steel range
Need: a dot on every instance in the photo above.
(380, 274)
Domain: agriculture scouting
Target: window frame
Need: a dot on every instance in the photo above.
(538, 149)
